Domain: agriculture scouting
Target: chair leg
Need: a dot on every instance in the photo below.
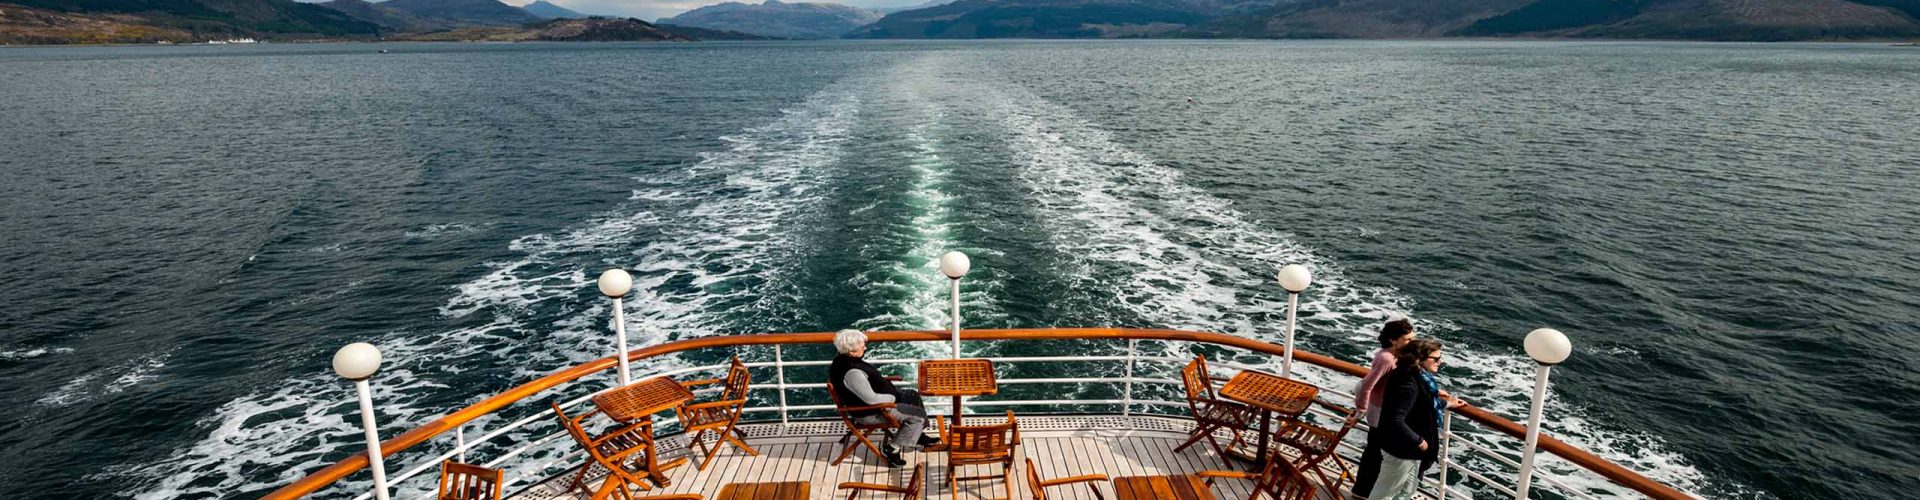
(1200, 430)
(734, 435)
(606, 488)
(1215, 443)
(862, 439)
(1006, 474)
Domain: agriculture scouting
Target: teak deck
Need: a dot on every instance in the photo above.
(1061, 446)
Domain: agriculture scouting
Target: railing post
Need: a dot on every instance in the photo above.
(954, 265)
(1547, 347)
(615, 283)
(358, 362)
(460, 443)
(1127, 409)
(780, 382)
(1446, 439)
(1294, 278)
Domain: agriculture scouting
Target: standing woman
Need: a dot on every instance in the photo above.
(1367, 397)
(1409, 432)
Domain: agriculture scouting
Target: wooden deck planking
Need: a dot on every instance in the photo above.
(1059, 446)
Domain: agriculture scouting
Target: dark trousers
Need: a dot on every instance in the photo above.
(1369, 470)
(910, 398)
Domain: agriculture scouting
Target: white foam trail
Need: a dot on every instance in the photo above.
(720, 250)
(1195, 263)
(920, 295)
(93, 384)
(33, 353)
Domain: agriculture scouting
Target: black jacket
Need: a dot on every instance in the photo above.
(837, 371)
(1407, 417)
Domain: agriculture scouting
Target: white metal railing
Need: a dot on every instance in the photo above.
(1128, 400)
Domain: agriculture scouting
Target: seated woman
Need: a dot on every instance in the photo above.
(857, 381)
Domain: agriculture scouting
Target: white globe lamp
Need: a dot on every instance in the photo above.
(357, 361)
(615, 283)
(955, 264)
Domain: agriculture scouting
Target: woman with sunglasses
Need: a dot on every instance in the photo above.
(1409, 430)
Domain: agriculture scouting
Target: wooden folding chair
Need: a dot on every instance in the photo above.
(980, 445)
(1279, 481)
(1210, 413)
(1038, 487)
(861, 432)
(911, 491)
(720, 417)
(460, 481)
(626, 452)
(1317, 445)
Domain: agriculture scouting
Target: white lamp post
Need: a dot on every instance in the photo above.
(1294, 278)
(955, 265)
(358, 362)
(615, 283)
(1547, 347)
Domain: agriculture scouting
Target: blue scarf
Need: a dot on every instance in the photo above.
(1439, 405)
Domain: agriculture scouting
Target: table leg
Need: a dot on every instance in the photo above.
(956, 409)
(1266, 421)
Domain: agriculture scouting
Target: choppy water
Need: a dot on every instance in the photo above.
(1725, 230)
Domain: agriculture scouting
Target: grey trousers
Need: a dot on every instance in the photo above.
(913, 421)
(1399, 478)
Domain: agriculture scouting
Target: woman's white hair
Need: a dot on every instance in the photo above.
(846, 340)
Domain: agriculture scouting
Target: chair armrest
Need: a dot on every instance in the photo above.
(709, 381)
(871, 487)
(716, 404)
(1074, 479)
(851, 409)
(1227, 474)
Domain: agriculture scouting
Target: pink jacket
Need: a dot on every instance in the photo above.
(1367, 396)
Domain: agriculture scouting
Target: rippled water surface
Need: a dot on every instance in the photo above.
(1726, 231)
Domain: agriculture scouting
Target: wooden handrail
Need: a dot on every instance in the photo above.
(354, 463)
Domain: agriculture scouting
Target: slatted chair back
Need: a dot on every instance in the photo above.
(981, 444)
(1282, 481)
(1196, 378)
(460, 481)
(574, 430)
(737, 380)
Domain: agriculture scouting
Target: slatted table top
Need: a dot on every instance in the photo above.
(957, 377)
(642, 399)
(1270, 392)
(1177, 487)
(784, 490)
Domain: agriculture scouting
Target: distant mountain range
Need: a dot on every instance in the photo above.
(548, 10)
(192, 18)
(1659, 19)
(778, 19)
(135, 21)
